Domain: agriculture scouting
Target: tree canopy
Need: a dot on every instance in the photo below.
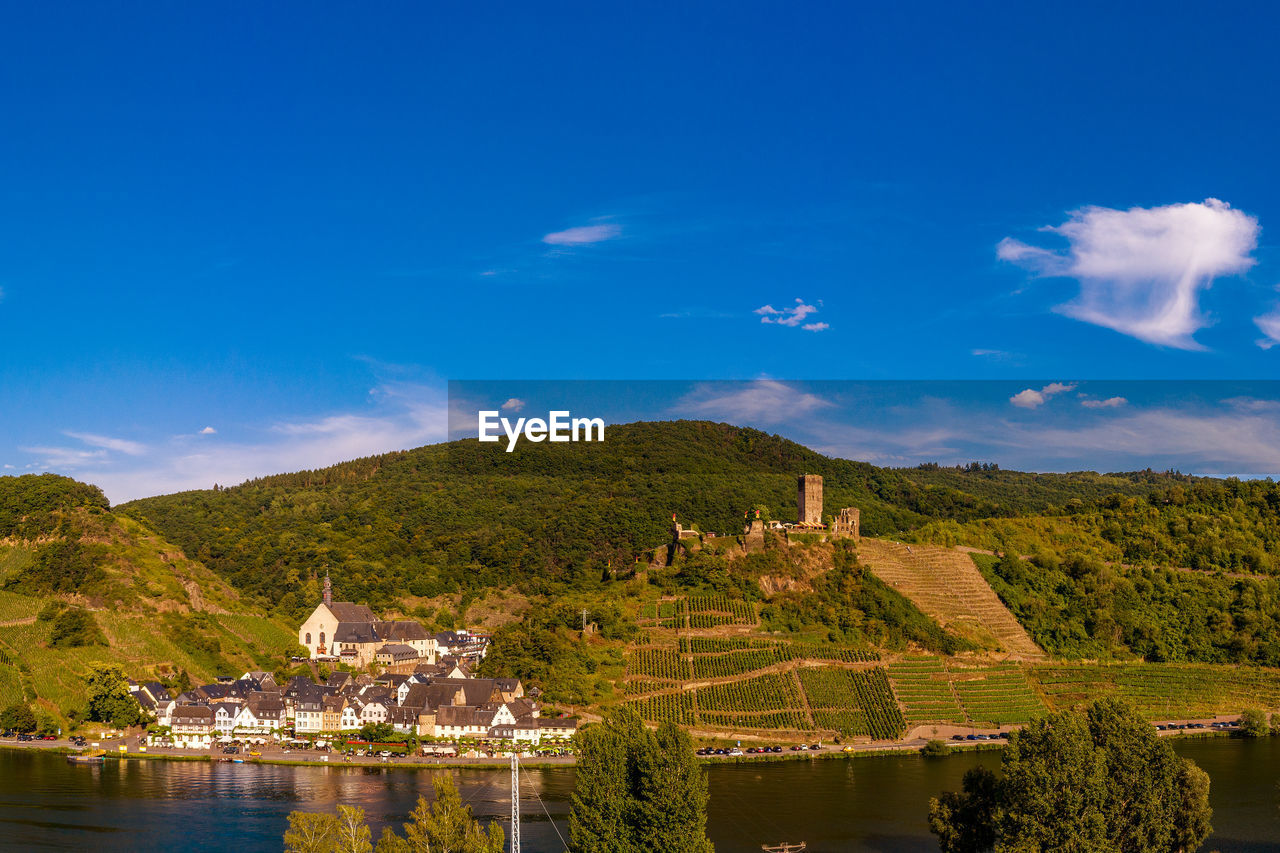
(637, 791)
(1098, 780)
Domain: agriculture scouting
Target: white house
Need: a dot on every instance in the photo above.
(224, 716)
(263, 713)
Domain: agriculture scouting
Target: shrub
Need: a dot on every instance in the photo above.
(936, 749)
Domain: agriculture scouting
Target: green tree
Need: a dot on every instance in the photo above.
(1253, 723)
(377, 732)
(109, 697)
(18, 717)
(351, 833)
(75, 627)
(445, 826)
(1099, 780)
(310, 832)
(636, 790)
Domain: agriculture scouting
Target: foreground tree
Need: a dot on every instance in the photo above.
(637, 791)
(444, 826)
(1099, 780)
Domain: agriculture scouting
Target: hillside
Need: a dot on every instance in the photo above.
(465, 516)
(81, 586)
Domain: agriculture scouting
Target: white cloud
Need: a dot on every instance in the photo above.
(208, 431)
(119, 445)
(792, 316)
(1141, 270)
(514, 404)
(403, 416)
(1109, 403)
(759, 401)
(1031, 398)
(1269, 325)
(583, 235)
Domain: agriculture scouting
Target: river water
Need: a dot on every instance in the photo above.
(867, 804)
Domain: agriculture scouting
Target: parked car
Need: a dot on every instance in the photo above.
(776, 749)
(796, 748)
(815, 747)
(25, 737)
(230, 750)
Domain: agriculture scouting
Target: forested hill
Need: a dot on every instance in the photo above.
(463, 515)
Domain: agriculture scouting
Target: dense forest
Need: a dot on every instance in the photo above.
(465, 516)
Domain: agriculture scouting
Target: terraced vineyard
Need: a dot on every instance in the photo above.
(947, 585)
(738, 663)
(664, 707)
(853, 702)
(794, 720)
(697, 612)
(665, 664)
(996, 695)
(772, 692)
(1163, 691)
(924, 689)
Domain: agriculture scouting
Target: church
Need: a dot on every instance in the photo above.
(354, 635)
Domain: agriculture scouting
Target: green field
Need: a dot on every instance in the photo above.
(1163, 691)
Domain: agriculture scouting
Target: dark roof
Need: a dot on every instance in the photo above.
(558, 722)
(463, 715)
(193, 712)
(347, 611)
(355, 632)
(402, 630)
(398, 650)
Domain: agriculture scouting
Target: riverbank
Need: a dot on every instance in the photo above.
(135, 752)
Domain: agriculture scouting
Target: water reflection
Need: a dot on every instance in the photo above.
(865, 805)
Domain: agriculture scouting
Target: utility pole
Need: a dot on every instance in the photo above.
(515, 803)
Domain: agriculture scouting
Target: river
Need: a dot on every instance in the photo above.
(866, 804)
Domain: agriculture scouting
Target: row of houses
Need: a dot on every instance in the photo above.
(442, 702)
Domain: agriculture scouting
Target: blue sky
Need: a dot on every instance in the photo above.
(237, 240)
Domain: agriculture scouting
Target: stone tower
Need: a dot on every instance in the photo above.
(809, 499)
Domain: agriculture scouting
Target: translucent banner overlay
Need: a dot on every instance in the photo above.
(1212, 428)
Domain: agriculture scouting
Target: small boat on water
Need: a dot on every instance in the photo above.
(92, 756)
(784, 847)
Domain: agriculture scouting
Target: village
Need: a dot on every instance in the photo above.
(373, 681)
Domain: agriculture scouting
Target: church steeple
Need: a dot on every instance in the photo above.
(328, 589)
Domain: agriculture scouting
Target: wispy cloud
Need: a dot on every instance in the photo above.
(514, 404)
(1269, 325)
(120, 445)
(583, 235)
(766, 401)
(1031, 398)
(793, 315)
(1141, 270)
(208, 431)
